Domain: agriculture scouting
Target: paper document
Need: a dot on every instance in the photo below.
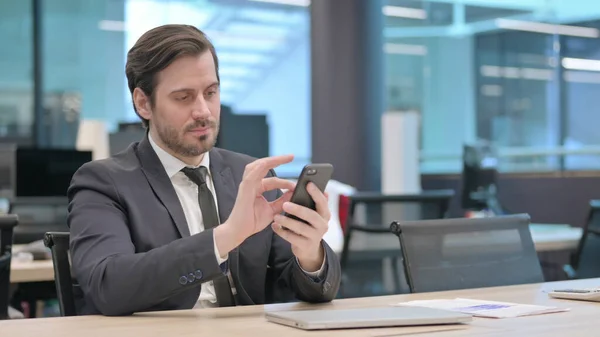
(488, 309)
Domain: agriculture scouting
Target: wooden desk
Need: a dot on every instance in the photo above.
(250, 321)
(33, 271)
(555, 237)
(30, 271)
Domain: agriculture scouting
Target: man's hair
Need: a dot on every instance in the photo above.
(156, 50)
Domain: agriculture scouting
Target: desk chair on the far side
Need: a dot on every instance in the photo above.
(58, 242)
(452, 254)
(585, 263)
(7, 224)
(366, 215)
(433, 205)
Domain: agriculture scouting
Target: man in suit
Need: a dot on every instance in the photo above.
(175, 223)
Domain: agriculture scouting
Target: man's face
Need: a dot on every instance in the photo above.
(185, 116)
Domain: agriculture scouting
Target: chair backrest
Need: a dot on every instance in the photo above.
(38, 215)
(7, 224)
(450, 254)
(366, 217)
(586, 261)
(58, 242)
(378, 208)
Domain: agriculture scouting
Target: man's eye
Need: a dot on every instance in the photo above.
(183, 98)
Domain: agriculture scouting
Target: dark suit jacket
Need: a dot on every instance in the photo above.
(132, 251)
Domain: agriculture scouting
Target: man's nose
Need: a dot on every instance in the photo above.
(200, 109)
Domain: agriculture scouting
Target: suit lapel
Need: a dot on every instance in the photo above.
(161, 185)
(223, 183)
(226, 190)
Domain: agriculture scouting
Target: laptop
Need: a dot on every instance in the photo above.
(391, 316)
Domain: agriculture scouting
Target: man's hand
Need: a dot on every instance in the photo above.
(252, 212)
(306, 238)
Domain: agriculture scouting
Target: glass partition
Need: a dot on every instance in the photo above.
(520, 73)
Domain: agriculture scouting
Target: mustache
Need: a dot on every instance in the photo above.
(202, 123)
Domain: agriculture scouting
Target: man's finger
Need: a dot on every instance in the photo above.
(304, 213)
(273, 183)
(298, 227)
(260, 167)
(321, 202)
(289, 236)
(277, 205)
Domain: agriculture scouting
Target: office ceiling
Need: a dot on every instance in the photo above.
(253, 37)
(468, 17)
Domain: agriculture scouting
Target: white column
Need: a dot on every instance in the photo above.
(400, 173)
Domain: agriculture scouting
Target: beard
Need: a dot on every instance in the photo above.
(175, 141)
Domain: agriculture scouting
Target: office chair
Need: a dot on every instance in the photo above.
(584, 263)
(379, 210)
(38, 215)
(66, 289)
(7, 224)
(451, 254)
(480, 178)
(433, 205)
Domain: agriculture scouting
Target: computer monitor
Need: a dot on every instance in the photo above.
(480, 178)
(131, 126)
(47, 172)
(244, 133)
(119, 141)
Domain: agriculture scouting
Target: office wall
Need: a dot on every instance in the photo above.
(562, 200)
(78, 56)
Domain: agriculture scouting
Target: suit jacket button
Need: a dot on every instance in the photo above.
(198, 274)
(191, 277)
(183, 280)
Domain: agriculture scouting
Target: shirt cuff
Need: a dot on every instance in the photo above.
(220, 260)
(315, 274)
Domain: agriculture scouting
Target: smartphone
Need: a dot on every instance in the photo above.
(318, 174)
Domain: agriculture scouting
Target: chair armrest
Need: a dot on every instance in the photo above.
(5, 259)
(569, 272)
(370, 229)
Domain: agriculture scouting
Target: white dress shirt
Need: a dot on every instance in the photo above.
(187, 192)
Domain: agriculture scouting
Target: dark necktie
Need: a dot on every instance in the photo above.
(211, 220)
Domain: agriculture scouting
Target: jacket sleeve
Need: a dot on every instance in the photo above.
(288, 275)
(119, 280)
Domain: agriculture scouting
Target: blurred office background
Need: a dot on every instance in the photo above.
(470, 68)
(319, 80)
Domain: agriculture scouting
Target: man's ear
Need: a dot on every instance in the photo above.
(142, 104)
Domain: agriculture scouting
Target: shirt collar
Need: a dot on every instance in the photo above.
(172, 164)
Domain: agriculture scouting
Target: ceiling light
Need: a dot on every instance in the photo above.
(405, 12)
(405, 49)
(547, 28)
(302, 3)
(581, 64)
